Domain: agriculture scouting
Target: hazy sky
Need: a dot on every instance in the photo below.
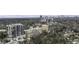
(18, 16)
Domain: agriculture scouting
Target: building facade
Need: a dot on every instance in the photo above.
(15, 30)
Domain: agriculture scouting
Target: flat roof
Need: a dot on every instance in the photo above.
(2, 30)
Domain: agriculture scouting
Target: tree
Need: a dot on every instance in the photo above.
(2, 36)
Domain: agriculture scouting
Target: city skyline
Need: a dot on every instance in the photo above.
(33, 16)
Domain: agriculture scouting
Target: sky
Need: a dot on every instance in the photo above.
(18, 16)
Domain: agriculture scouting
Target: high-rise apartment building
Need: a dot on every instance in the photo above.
(15, 30)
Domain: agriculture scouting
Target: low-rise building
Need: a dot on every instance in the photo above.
(3, 30)
(44, 27)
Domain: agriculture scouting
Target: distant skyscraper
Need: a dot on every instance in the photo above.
(46, 19)
(42, 19)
